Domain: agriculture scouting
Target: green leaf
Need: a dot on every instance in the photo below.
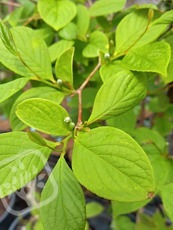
(146, 136)
(118, 95)
(38, 139)
(120, 208)
(83, 21)
(162, 125)
(169, 78)
(153, 57)
(38, 92)
(33, 59)
(153, 32)
(125, 121)
(44, 115)
(112, 165)
(166, 194)
(104, 7)
(57, 13)
(10, 88)
(7, 39)
(12, 62)
(88, 96)
(97, 42)
(21, 14)
(64, 67)
(69, 32)
(124, 223)
(110, 69)
(166, 18)
(93, 209)
(129, 30)
(58, 48)
(155, 147)
(46, 33)
(33, 52)
(67, 209)
(20, 161)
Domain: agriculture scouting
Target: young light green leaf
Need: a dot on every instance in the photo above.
(46, 33)
(58, 48)
(20, 161)
(93, 209)
(33, 59)
(169, 78)
(126, 207)
(166, 18)
(38, 92)
(33, 52)
(38, 139)
(57, 13)
(44, 115)
(137, 35)
(13, 63)
(146, 136)
(104, 7)
(129, 30)
(152, 33)
(82, 22)
(153, 57)
(125, 121)
(118, 95)
(166, 194)
(69, 32)
(10, 88)
(110, 69)
(67, 209)
(112, 165)
(7, 39)
(64, 67)
(97, 42)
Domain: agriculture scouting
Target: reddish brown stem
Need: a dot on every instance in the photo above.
(79, 108)
(79, 92)
(10, 3)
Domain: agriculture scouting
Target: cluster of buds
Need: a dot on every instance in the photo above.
(69, 124)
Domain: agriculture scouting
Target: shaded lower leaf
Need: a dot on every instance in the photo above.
(67, 209)
(93, 209)
(20, 161)
(166, 194)
(126, 207)
(111, 164)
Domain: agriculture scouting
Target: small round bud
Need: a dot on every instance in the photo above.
(107, 56)
(87, 35)
(67, 120)
(59, 82)
(72, 125)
